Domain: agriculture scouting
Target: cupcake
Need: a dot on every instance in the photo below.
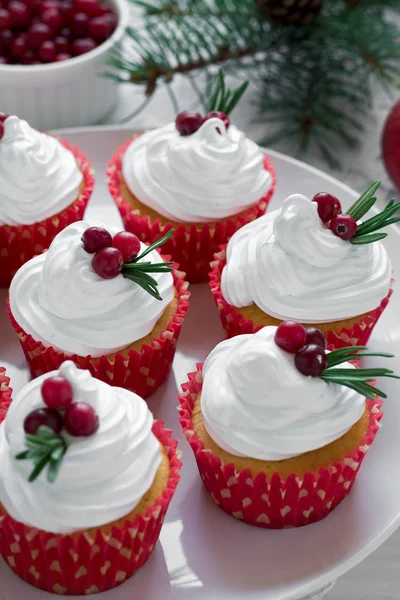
(45, 184)
(278, 429)
(310, 263)
(86, 480)
(106, 301)
(200, 176)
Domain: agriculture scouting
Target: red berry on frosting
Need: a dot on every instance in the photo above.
(43, 416)
(328, 206)
(128, 244)
(96, 238)
(57, 392)
(3, 116)
(290, 336)
(107, 263)
(81, 419)
(217, 114)
(344, 226)
(188, 122)
(315, 336)
(310, 360)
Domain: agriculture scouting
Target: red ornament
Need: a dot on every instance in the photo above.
(290, 336)
(81, 419)
(391, 144)
(57, 392)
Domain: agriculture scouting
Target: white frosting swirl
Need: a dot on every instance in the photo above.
(102, 477)
(38, 176)
(59, 299)
(292, 266)
(196, 178)
(255, 402)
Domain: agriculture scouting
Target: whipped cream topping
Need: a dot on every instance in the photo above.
(255, 403)
(59, 299)
(292, 266)
(38, 176)
(210, 175)
(102, 477)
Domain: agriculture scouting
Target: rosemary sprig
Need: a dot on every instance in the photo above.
(365, 231)
(45, 448)
(139, 272)
(223, 99)
(356, 379)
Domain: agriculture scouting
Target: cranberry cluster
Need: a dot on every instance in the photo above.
(308, 344)
(45, 31)
(330, 211)
(188, 122)
(3, 117)
(78, 418)
(110, 253)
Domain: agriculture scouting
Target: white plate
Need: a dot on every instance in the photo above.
(203, 553)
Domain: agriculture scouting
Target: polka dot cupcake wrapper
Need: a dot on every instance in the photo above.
(18, 244)
(142, 372)
(192, 246)
(273, 502)
(235, 324)
(83, 564)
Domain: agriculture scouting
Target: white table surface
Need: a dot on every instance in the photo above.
(378, 577)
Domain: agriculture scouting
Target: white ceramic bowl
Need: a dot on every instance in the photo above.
(66, 94)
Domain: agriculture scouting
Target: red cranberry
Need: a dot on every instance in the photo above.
(47, 51)
(62, 56)
(18, 47)
(19, 13)
(49, 5)
(81, 419)
(188, 122)
(328, 206)
(28, 58)
(3, 61)
(315, 336)
(5, 19)
(217, 114)
(43, 416)
(96, 238)
(37, 34)
(107, 263)
(82, 46)
(65, 32)
(128, 244)
(62, 44)
(99, 29)
(57, 392)
(3, 116)
(67, 10)
(111, 20)
(290, 336)
(53, 19)
(79, 24)
(1, 130)
(310, 360)
(344, 226)
(90, 7)
(6, 39)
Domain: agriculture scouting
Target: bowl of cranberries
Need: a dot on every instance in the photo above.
(52, 56)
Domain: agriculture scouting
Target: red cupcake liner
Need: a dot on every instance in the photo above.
(141, 372)
(5, 394)
(235, 324)
(81, 563)
(192, 246)
(273, 502)
(18, 244)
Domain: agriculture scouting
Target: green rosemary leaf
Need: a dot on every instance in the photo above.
(345, 358)
(22, 455)
(356, 209)
(58, 453)
(359, 373)
(52, 471)
(46, 432)
(378, 220)
(237, 94)
(368, 239)
(362, 388)
(154, 246)
(149, 288)
(40, 465)
(216, 93)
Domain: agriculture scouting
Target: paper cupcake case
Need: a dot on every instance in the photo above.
(192, 246)
(18, 244)
(235, 324)
(142, 372)
(82, 564)
(273, 503)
